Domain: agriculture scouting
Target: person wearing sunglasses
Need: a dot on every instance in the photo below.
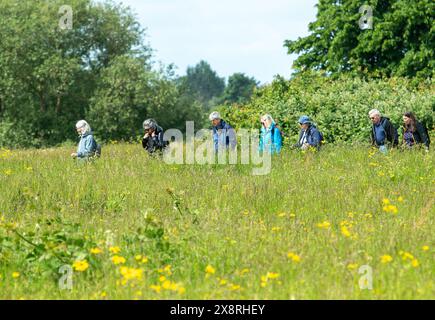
(383, 134)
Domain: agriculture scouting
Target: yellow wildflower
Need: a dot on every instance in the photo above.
(352, 266)
(391, 209)
(324, 225)
(345, 231)
(386, 259)
(96, 251)
(210, 270)
(118, 260)
(294, 257)
(156, 288)
(115, 250)
(81, 265)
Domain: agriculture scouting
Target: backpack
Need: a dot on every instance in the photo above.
(426, 131)
(321, 137)
(320, 134)
(272, 133)
(98, 151)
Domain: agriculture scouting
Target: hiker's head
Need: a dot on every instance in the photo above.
(266, 120)
(150, 125)
(82, 127)
(375, 116)
(304, 122)
(215, 118)
(409, 119)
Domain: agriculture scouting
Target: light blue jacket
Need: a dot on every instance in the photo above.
(270, 139)
(87, 146)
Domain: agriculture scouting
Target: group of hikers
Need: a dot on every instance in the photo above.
(384, 135)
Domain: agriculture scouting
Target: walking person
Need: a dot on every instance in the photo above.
(224, 135)
(309, 136)
(384, 134)
(270, 137)
(414, 133)
(88, 147)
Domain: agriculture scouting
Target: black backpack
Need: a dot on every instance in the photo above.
(426, 131)
(98, 151)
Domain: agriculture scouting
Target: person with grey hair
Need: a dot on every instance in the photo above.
(87, 147)
(383, 131)
(153, 138)
(223, 134)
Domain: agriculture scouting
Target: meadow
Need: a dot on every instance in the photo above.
(132, 227)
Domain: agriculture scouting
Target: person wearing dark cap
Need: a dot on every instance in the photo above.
(153, 138)
(309, 136)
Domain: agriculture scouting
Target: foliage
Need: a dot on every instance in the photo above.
(338, 106)
(400, 44)
(239, 88)
(202, 82)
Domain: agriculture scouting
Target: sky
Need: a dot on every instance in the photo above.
(232, 35)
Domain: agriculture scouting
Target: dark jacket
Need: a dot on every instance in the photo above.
(224, 135)
(314, 138)
(156, 143)
(390, 133)
(420, 136)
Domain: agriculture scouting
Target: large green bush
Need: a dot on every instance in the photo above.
(339, 107)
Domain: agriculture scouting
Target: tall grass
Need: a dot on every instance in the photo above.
(221, 232)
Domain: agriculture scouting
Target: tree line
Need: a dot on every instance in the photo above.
(101, 69)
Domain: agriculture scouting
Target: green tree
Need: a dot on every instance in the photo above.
(203, 83)
(239, 88)
(401, 42)
(129, 92)
(49, 74)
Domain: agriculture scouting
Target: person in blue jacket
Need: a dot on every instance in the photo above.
(224, 135)
(87, 147)
(270, 138)
(309, 136)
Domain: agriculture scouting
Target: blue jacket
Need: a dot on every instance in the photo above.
(270, 139)
(156, 143)
(388, 133)
(224, 135)
(87, 146)
(314, 137)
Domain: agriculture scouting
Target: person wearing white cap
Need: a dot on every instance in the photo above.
(87, 147)
(223, 134)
